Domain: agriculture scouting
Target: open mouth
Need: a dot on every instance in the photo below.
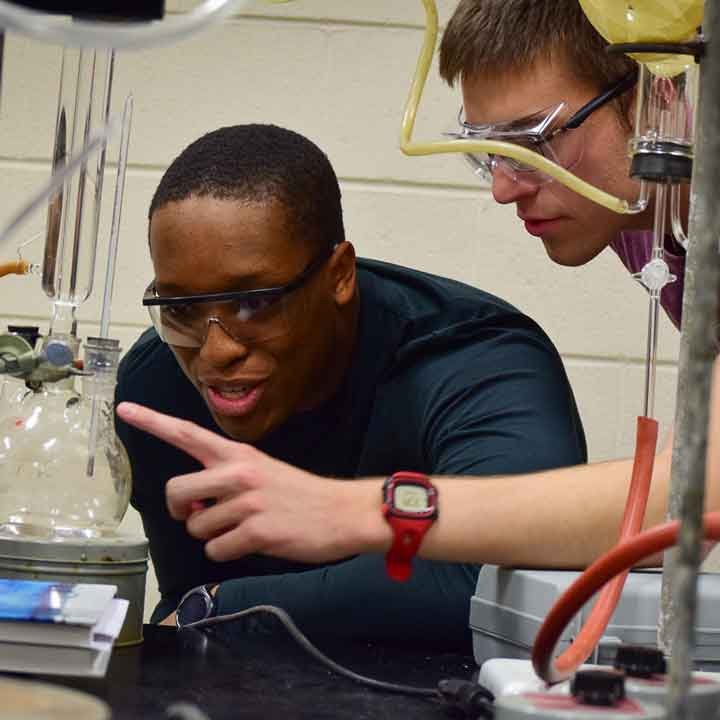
(234, 400)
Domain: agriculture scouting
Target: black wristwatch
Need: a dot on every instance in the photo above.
(195, 605)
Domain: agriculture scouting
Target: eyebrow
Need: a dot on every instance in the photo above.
(257, 280)
(533, 117)
(171, 290)
(520, 122)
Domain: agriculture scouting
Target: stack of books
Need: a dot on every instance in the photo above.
(58, 628)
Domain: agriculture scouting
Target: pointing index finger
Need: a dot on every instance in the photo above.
(205, 446)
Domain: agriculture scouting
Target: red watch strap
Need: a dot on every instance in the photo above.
(407, 536)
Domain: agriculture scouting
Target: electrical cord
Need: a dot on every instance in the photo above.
(460, 698)
(464, 699)
(308, 646)
(467, 699)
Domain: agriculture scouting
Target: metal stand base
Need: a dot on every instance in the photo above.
(116, 559)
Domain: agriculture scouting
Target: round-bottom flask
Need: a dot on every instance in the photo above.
(12, 394)
(64, 471)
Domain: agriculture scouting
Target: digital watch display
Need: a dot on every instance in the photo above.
(410, 505)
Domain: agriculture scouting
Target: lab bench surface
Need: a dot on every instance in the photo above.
(265, 677)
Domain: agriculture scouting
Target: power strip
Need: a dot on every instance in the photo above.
(511, 678)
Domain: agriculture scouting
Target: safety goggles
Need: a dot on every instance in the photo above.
(247, 316)
(543, 133)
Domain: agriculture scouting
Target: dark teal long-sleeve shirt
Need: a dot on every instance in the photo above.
(445, 379)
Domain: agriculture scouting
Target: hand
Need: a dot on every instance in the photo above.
(262, 505)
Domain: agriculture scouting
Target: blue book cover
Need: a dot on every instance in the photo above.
(52, 602)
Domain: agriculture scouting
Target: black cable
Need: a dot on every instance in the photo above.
(467, 699)
(460, 697)
(694, 48)
(298, 635)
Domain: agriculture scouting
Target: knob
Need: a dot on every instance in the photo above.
(640, 661)
(598, 687)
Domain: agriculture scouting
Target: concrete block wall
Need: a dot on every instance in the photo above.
(337, 71)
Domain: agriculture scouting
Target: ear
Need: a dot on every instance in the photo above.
(342, 273)
(630, 107)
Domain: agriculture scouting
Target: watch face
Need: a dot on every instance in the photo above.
(411, 498)
(195, 605)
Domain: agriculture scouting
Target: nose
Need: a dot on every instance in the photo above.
(508, 189)
(219, 348)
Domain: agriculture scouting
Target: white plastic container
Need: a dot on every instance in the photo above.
(510, 605)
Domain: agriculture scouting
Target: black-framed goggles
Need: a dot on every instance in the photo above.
(543, 132)
(245, 315)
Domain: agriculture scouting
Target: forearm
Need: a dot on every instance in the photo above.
(555, 519)
(356, 599)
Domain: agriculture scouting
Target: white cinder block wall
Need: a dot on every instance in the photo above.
(337, 71)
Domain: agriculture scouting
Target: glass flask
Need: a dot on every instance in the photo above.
(12, 393)
(63, 471)
(13, 389)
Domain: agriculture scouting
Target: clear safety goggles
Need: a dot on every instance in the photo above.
(247, 316)
(544, 132)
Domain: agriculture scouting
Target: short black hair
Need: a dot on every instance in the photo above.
(260, 163)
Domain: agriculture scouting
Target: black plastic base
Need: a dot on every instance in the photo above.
(117, 9)
(661, 168)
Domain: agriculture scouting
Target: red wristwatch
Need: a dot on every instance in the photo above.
(410, 506)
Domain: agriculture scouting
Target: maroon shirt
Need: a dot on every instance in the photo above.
(634, 247)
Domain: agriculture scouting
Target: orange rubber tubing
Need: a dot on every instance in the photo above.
(591, 632)
(617, 560)
(16, 267)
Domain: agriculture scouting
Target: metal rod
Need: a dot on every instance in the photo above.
(697, 353)
(2, 46)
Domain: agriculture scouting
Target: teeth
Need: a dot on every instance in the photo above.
(234, 392)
